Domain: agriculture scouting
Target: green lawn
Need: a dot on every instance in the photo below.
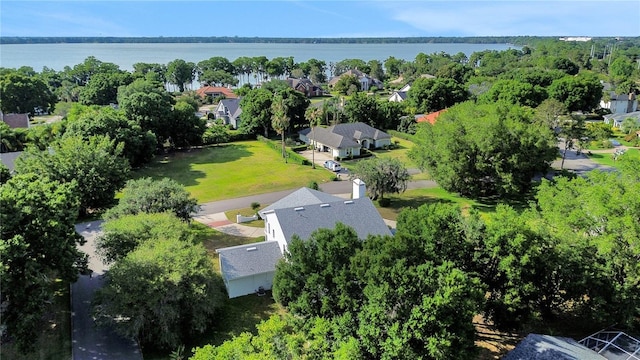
(232, 170)
(607, 158)
(417, 197)
(401, 153)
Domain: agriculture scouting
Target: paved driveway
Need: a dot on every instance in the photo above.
(88, 340)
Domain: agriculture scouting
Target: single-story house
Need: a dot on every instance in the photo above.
(229, 111)
(620, 103)
(346, 139)
(366, 81)
(216, 92)
(15, 120)
(615, 120)
(305, 86)
(247, 268)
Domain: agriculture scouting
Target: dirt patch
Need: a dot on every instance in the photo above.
(493, 343)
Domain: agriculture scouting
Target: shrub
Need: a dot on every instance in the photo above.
(313, 185)
(255, 206)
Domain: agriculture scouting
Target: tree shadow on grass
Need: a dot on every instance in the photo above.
(238, 315)
(178, 165)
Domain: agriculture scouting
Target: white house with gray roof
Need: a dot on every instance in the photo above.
(229, 111)
(347, 139)
(246, 268)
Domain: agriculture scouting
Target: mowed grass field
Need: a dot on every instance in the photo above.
(232, 170)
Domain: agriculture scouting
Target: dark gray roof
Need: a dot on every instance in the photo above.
(621, 117)
(301, 197)
(343, 136)
(16, 120)
(336, 141)
(246, 260)
(232, 105)
(546, 347)
(401, 94)
(9, 159)
(359, 214)
(349, 129)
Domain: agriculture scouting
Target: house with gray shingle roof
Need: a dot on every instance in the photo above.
(347, 139)
(247, 268)
(229, 111)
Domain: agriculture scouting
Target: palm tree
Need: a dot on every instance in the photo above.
(280, 119)
(314, 115)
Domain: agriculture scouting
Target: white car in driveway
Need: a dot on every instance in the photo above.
(332, 165)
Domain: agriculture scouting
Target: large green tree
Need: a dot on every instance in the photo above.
(38, 244)
(102, 89)
(186, 127)
(601, 210)
(429, 95)
(125, 233)
(515, 92)
(256, 111)
(484, 150)
(315, 279)
(382, 176)
(581, 92)
(139, 145)
(96, 165)
(162, 293)
(21, 93)
(149, 104)
(147, 195)
(181, 73)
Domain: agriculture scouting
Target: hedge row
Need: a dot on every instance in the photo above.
(401, 135)
(291, 156)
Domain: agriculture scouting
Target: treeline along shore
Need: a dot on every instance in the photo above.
(235, 39)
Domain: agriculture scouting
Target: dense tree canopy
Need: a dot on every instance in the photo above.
(21, 93)
(146, 195)
(381, 176)
(96, 166)
(38, 244)
(581, 92)
(429, 95)
(139, 145)
(482, 150)
(150, 105)
(161, 293)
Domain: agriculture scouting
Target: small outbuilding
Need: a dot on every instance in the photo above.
(246, 269)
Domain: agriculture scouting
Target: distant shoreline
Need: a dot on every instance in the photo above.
(232, 39)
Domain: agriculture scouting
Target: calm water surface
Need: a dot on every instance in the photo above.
(57, 56)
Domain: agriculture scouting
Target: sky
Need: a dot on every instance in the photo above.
(312, 18)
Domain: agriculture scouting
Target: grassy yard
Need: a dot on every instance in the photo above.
(232, 170)
(401, 153)
(607, 158)
(54, 341)
(417, 197)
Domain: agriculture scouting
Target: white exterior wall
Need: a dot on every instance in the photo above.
(382, 142)
(273, 231)
(249, 285)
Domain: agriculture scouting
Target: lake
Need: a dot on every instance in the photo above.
(57, 56)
